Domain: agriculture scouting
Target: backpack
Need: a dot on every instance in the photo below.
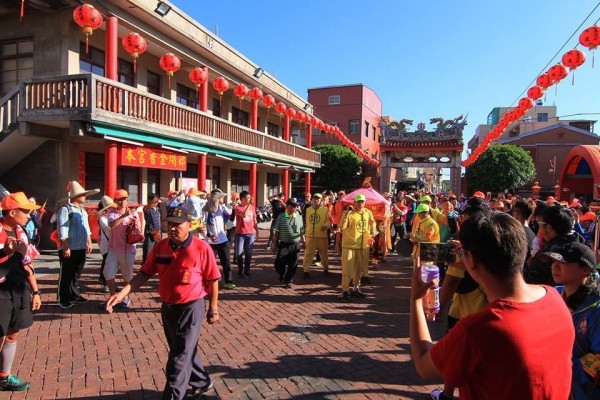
(54, 220)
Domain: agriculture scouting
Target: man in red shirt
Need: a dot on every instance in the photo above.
(499, 352)
(187, 273)
(246, 233)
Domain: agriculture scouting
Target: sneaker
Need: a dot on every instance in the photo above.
(124, 304)
(438, 394)
(13, 384)
(65, 305)
(79, 300)
(289, 285)
(280, 277)
(306, 275)
(345, 296)
(105, 289)
(197, 393)
(318, 263)
(358, 293)
(247, 276)
(229, 285)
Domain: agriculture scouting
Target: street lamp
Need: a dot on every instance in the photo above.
(535, 190)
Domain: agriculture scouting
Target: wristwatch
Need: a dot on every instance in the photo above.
(36, 292)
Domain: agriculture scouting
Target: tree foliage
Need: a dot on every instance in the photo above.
(501, 167)
(340, 166)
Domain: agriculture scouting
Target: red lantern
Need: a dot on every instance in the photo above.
(300, 116)
(135, 45)
(256, 94)
(87, 17)
(525, 103)
(573, 58)
(291, 113)
(269, 101)
(558, 72)
(590, 37)
(280, 108)
(221, 85)
(241, 90)
(170, 63)
(535, 92)
(313, 121)
(544, 81)
(198, 76)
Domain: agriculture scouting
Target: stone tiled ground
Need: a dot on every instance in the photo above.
(271, 342)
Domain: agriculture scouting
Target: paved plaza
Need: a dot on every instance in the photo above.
(270, 343)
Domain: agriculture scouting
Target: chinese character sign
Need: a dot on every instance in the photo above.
(133, 156)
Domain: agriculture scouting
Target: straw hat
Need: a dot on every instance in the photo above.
(76, 190)
(107, 202)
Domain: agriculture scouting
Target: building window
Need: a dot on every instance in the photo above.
(240, 180)
(94, 172)
(316, 132)
(216, 177)
(94, 61)
(272, 184)
(128, 178)
(273, 129)
(16, 63)
(191, 171)
(153, 83)
(542, 117)
(366, 128)
(354, 127)
(240, 117)
(186, 96)
(333, 100)
(374, 132)
(153, 178)
(216, 109)
(125, 71)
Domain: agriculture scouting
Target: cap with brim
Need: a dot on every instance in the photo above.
(76, 190)
(121, 194)
(193, 192)
(425, 198)
(479, 194)
(107, 202)
(18, 200)
(588, 216)
(360, 197)
(575, 204)
(409, 197)
(317, 196)
(217, 193)
(422, 208)
(574, 253)
(452, 196)
(172, 192)
(179, 215)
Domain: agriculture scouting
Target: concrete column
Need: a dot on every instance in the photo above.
(307, 179)
(385, 179)
(112, 48)
(455, 173)
(110, 168)
(285, 182)
(202, 172)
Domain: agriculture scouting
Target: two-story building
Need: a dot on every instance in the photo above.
(77, 107)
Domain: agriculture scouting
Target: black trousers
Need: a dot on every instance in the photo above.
(182, 324)
(286, 262)
(70, 273)
(222, 250)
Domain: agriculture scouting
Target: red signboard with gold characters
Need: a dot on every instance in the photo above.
(134, 156)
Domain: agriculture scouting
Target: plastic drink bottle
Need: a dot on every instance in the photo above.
(431, 301)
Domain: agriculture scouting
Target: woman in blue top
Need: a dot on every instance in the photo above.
(574, 267)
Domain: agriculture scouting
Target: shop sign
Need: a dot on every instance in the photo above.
(134, 156)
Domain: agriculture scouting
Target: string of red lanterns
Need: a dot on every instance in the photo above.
(570, 61)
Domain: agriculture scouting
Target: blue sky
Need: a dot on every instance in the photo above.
(424, 59)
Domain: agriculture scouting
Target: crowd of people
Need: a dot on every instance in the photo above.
(520, 273)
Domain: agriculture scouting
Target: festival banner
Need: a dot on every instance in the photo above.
(134, 156)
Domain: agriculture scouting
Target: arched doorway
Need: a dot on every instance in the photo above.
(580, 174)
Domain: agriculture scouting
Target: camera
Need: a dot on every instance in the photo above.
(436, 252)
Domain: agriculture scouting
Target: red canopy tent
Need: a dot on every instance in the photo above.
(374, 201)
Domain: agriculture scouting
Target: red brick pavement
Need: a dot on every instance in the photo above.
(270, 343)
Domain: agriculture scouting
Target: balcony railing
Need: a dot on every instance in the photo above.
(82, 96)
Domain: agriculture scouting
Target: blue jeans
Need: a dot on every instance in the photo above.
(243, 252)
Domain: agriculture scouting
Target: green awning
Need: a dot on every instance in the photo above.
(304, 169)
(144, 137)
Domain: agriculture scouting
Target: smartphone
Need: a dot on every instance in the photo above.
(436, 252)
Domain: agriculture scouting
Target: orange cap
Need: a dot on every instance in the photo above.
(121, 194)
(18, 200)
(479, 194)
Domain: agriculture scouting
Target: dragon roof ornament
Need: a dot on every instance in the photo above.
(444, 130)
